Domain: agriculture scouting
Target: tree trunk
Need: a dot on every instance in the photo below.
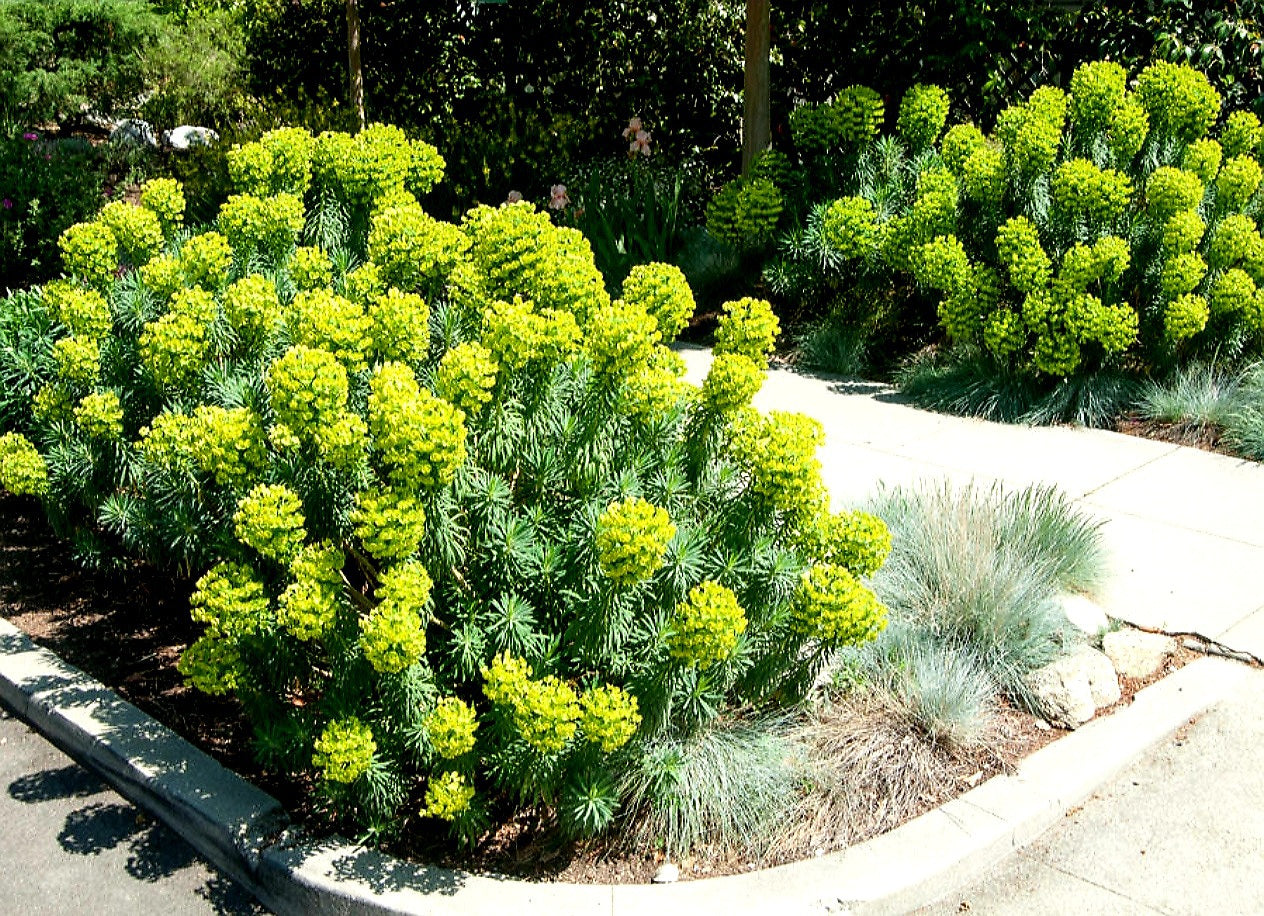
(756, 120)
(354, 66)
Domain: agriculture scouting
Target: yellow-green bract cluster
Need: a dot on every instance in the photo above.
(1179, 100)
(745, 212)
(450, 726)
(834, 607)
(664, 293)
(632, 538)
(545, 712)
(705, 627)
(779, 453)
(393, 636)
(22, 468)
(448, 795)
(923, 112)
(344, 750)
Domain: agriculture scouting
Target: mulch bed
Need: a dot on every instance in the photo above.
(128, 627)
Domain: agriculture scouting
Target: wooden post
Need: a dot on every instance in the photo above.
(353, 60)
(756, 119)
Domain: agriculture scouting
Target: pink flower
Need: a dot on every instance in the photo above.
(30, 136)
(633, 128)
(514, 197)
(557, 197)
(6, 203)
(640, 144)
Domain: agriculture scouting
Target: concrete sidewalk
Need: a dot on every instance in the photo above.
(1186, 530)
(72, 845)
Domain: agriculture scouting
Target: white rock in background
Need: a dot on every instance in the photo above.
(668, 873)
(1085, 615)
(186, 137)
(1069, 692)
(134, 132)
(1135, 653)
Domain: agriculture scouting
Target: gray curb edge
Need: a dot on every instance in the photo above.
(245, 832)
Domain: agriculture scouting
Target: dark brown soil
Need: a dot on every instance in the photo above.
(128, 627)
(1196, 435)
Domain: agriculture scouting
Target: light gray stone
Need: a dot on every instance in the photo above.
(1136, 653)
(668, 873)
(1084, 614)
(187, 137)
(1071, 690)
(134, 132)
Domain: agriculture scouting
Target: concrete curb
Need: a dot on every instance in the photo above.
(245, 832)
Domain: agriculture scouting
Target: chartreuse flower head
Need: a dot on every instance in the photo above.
(1097, 91)
(1184, 317)
(923, 113)
(406, 587)
(748, 326)
(176, 347)
(420, 438)
(252, 308)
(632, 538)
(620, 339)
(1128, 129)
(745, 212)
(400, 326)
(1203, 158)
(344, 751)
(310, 604)
(663, 291)
(162, 276)
(731, 382)
(448, 796)
(834, 607)
(1181, 101)
(450, 726)
(704, 628)
(231, 601)
(390, 524)
(1232, 241)
(1018, 245)
(78, 361)
(1183, 233)
(271, 225)
(1233, 293)
(164, 197)
(779, 452)
(850, 227)
(545, 713)
(656, 389)
(213, 664)
(84, 312)
(136, 229)
(326, 321)
(1238, 181)
(22, 468)
(857, 541)
(270, 519)
(1242, 134)
(392, 637)
(307, 389)
(206, 259)
(1080, 188)
(100, 415)
(310, 268)
(413, 250)
(609, 717)
(960, 143)
(89, 252)
(467, 376)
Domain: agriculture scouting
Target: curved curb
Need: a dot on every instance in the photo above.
(245, 832)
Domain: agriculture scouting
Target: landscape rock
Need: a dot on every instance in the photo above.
(1135, 653)
(134, 132)
(1069, 691)
(187, 137)
(1084, 614)
(668, 873)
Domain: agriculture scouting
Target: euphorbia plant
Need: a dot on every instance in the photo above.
(465, 540)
